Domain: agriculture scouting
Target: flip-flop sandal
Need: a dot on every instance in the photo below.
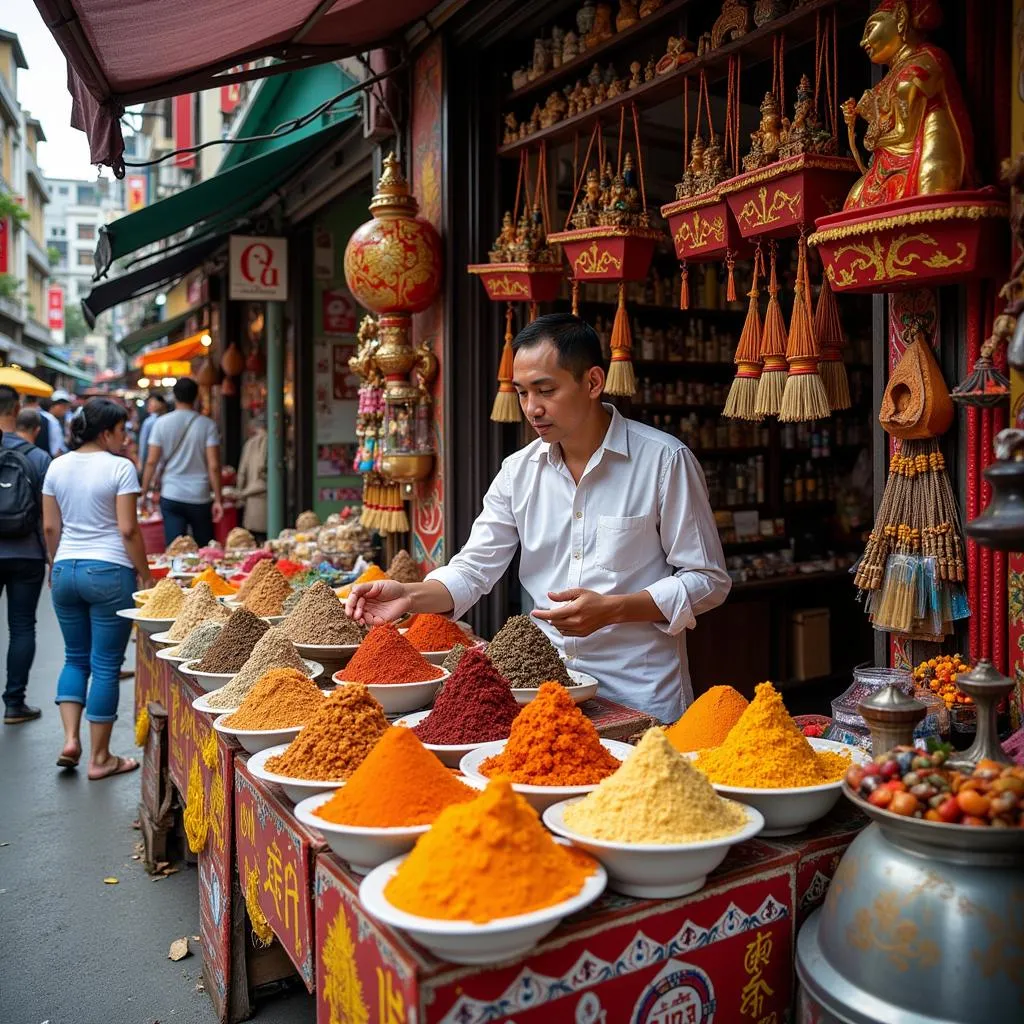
(67, 761)
(123, 767)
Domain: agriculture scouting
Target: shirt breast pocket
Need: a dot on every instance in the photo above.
(620, 542)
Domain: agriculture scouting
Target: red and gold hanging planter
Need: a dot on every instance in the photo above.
(611, 240)
(523, 267)
(702, 226)
(791, 174)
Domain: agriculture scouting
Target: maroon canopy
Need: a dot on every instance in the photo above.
(123, 53)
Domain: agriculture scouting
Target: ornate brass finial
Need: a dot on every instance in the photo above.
(393, 198)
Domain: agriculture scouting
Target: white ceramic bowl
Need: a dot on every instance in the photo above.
(401, 698)
(145, 624)
(162, 639)
(655, 870)
(450, 755)
(463, 942)
(255, 740)
(295, 789)
(438, 657)
(539, 797)
(363, 848)
(164, 654)
(585, 688)
(215, 680)
(273, 619)
(202, 703)
(786, 811)
(337, 656)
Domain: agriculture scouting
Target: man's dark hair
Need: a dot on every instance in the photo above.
(577, 343)
(8, 400)
(28, 420)
(186, 390)
(158, 398)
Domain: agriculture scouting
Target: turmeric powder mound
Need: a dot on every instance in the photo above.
(552, 743)
(487, 859)
(336, 740)
(217, 584)
(707, 721)
(371, 575)
(765, 749)
(400, 783)
(282, 699)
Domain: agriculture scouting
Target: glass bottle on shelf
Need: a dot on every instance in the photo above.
(798, 485)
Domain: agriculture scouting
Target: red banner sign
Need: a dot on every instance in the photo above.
(183, 129)
(135, 191)
(339, 312)
(275, 856)
(55, 308)
(5, 243)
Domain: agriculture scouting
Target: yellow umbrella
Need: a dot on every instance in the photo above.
(24, 383)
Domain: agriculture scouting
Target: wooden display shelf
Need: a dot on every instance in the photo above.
(756, 47)
(583, 63)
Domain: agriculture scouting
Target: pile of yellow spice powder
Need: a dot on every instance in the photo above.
(164, 601)
(765, 749)
(657, 796)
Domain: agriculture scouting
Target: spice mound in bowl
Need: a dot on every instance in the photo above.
(525, 656)
(656, 825)
(219, 586)
(386, 658)
(319, 619)
(198, 607)
(707, 721)
(164, 601)
(197, 643)
(231, 649)
(267, 595)
(272, 650)
(283, 698)
(434, 633)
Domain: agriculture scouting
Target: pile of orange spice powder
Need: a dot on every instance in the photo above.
(552, 743)
(429, 632)
(385, 656)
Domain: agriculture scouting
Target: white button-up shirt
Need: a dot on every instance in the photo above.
(639, 519)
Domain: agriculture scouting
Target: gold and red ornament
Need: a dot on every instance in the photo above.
(741, 402)
(915, 216)
(522, 267)
(393, 266)
(702, 226)
(611, 239)
(803, 398)
(792, 175)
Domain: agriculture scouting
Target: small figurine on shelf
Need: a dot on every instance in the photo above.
(557, 46)
(621, 205)
(541, 59)
(704, 44)
(506, 239)
(678, 52)
(554, 110)
(617, 87)
(635, 74)
(589, 206)
(606, 185)
(768, 10)
(650, 69)
(715, 169)
(603, 28)
(764, 143)
(511, 129)
(534, 125)
(585, 19)
(520, 77)
(628, 15)
(570, 47)
(804, 134)
(649, 7)
(693, 176)
(732, 23)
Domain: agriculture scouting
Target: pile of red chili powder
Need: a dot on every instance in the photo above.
(475, 706)
(429, 632)
(385, 656)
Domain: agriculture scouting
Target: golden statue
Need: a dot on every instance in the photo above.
(918, 126)
(693, 176)
(506, 239)
(764, 143)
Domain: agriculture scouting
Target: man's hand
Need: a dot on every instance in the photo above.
(217, 511)
(579, 612)
(378, 602)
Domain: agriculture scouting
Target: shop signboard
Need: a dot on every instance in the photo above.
(183, 129)
(339, 312)
(258, 268)
(323, 255)
(721, 954)
(55, 308)
(135, 189)
(201, 766)
(276, 855)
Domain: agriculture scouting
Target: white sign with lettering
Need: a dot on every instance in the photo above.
(258, 268)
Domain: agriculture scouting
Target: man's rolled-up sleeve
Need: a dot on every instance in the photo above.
(492, 543)
(691, 543)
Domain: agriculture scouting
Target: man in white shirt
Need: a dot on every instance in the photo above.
(620, 551)
(185, 446)
(51, 439)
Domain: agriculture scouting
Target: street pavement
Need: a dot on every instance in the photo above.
(76, 950)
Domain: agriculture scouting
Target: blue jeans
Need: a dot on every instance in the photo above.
(180, 515)
(86, 597)
(23, 579)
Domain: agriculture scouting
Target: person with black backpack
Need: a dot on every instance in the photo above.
(23, 557)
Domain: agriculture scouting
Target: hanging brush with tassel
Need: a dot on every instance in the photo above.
(803, 398)
(506, 401)
(772, 382)
(828, 330)
(621, 375)
(741, 403)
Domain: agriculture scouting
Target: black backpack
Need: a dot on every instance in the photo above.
(19, 506)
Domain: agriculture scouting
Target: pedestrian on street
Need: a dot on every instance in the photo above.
(60, 406)
(27, 426)
(252, 481)
(51, 436)
(184, 446)
(93, 536)
(156, 406)
(22, 551)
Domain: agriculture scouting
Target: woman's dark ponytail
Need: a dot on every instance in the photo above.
(96, 417)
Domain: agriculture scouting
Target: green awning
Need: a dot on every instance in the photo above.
(139, 339)
(60, 366)
(221, 198)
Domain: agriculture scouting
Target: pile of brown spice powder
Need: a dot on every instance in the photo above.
(267, 596)
(452, 659)
(258, 570)
(404, 569)
(199, 606)
(336, 740)
(274, 650)
(319, 618)
(525, 656)
(231, 650)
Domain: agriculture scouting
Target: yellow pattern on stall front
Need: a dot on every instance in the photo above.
(343, 992)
